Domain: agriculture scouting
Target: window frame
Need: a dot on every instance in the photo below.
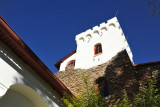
(95, 48)
(69, 63)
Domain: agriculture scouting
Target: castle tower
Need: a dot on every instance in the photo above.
(96, 46)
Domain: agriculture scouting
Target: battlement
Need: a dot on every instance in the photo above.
(110, 30)
(98, 30)
(111, 40)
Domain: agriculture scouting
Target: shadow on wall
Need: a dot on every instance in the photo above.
(102, 85)
(146, 72)
(19, 95)
(120, 75)
(31, 79)
(15, 99)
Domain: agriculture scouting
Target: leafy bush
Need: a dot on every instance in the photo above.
(148, 96)
(89, 97)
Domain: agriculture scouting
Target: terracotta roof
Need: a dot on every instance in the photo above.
(148, 63)
(13, 41)
(57, 65)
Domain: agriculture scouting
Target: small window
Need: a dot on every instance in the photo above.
(97, 49)
(102, 86)
(71, 63)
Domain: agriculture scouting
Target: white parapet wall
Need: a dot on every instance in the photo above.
(111, 38)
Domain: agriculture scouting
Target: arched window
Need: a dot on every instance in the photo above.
(97, 49)
(71, 63)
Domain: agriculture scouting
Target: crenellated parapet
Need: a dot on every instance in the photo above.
(111, 24)
(104, 29)
(98, 45)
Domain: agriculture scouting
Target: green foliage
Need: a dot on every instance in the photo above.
(155, 4)
(124, 102)
(89, 97)
(147, 97)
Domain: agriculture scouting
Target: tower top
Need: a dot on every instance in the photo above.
(97, 29)
(97, 46)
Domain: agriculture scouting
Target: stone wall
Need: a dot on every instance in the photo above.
(119, 74)
(147, 71)
(73, 78)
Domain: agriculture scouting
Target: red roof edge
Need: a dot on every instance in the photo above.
(15, 43)
(148, 63)
(57, 65)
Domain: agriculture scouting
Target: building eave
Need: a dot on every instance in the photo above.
(16, 44)
(148, 63)
(57, 65)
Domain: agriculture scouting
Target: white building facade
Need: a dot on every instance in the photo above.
(24, 80)
(97, 46)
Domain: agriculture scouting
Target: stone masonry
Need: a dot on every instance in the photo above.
(119, 73)
(73, 78)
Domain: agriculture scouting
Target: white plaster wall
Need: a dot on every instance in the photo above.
(112, 39)
(14, 71)
(14, 99)
(65, 62)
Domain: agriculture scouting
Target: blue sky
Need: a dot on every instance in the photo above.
(49, 27)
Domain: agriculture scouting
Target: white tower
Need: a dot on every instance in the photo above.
(96, 46)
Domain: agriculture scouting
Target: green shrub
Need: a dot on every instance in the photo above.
(89, 97)
(147, 97)
(124, 102)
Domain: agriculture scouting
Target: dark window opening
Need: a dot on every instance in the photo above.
(71, 63)
(97, 49)
(102, 85)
